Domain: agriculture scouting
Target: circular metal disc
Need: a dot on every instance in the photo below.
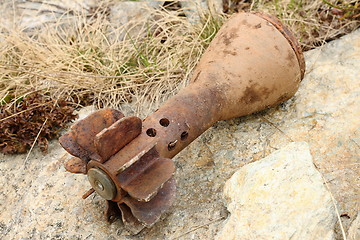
(102, 183)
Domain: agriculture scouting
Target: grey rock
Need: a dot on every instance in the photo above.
(194, 9)
(279, 197)
(354, 230)
(29, 15)
(126, 18)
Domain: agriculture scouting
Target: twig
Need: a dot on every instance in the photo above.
(355, 142)
(334, 203)
(32, 146)
(3, 119)
(340, 7)
(88, 193)
(196, 228)
(311, 68)
(336, 210)
(273, 125)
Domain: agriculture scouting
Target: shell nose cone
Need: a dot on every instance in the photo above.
(102, 183)
(289, 36)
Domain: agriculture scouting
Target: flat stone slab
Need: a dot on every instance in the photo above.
(43, 201)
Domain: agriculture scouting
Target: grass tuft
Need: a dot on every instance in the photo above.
(84, 57)
(91, 62)
(313, 22)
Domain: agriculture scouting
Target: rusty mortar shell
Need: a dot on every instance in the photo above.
(253, 63)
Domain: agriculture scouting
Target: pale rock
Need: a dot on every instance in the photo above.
(193, 9)
(354, 230)
(85, 111)
(29, 15)
(279, 197)
(33, 15)
(127, 17)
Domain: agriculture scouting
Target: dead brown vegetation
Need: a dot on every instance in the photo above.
(82, 59)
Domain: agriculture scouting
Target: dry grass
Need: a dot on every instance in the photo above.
(313, 22)
(88, 61)
(88, 64)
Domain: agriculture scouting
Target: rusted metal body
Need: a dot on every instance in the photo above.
(253, 63)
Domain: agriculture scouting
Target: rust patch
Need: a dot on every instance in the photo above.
(257, 26)
(290, 59)
(266, 92)
(212, 77)
(79, 141)
(282, 98)
(233, 30)
(110, 140)
(251, 95)
(231, 75)
(197, 76)
(289, 56)
(227, 52)
(227, 38)
(76, 165)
